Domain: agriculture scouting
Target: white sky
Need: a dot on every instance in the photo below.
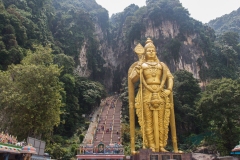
(202, 10)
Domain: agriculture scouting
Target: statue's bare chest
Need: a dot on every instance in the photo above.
(152, 69)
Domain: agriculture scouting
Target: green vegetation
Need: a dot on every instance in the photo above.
(39, 47)
(186, 93)
(159, 16)
(30, 95)
(219, 108)
(226, 23)
(42, 95)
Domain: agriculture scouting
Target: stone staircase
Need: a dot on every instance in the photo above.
(109, 126)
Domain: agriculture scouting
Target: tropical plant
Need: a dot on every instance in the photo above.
(218, 107)
(31, 96)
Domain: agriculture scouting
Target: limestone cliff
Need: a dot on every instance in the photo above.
(82, 69)
(181, 42)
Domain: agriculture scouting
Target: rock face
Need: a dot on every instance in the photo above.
(189, 52)
(82, 68)
(105, 47)
(178, 47)
(167, 29)
(118, 58)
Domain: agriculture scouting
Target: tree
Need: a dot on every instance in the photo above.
(56, 151)
(71, 117)
(230, 56)
(124, 98)
(219, 108)
(186, 92)
(66, 62)
(90, 93)
(30, 96)
(230, 38)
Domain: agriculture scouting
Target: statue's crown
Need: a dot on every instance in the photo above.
(149, 43)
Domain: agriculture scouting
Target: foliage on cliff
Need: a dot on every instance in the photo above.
(216, 58)
(27, 90)
(65, 25)
(225, 54)
(130, 27)
(226, 23)
(73, 27)
(70, 26)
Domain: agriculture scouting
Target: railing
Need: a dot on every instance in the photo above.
(108, 149)
(113, 119)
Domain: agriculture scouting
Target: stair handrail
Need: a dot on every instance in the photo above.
(113, 119)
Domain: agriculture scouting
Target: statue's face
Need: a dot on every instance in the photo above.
(150, 53)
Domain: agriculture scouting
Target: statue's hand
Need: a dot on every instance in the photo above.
(166, 92)
(138, 67)
(139, 64)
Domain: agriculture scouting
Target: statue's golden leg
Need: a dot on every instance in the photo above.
(156, 129)
(166, 126)
(161, 127)
(148, 118)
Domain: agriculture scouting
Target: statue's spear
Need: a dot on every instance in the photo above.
(139, 50)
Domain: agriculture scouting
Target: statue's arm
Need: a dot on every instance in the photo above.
(135, 74)
(169, 80)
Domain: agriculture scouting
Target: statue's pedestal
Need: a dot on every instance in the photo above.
(147, 154)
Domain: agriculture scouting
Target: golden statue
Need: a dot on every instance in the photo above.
(154, 100)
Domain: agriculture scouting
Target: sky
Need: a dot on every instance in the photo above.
(201, 10)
